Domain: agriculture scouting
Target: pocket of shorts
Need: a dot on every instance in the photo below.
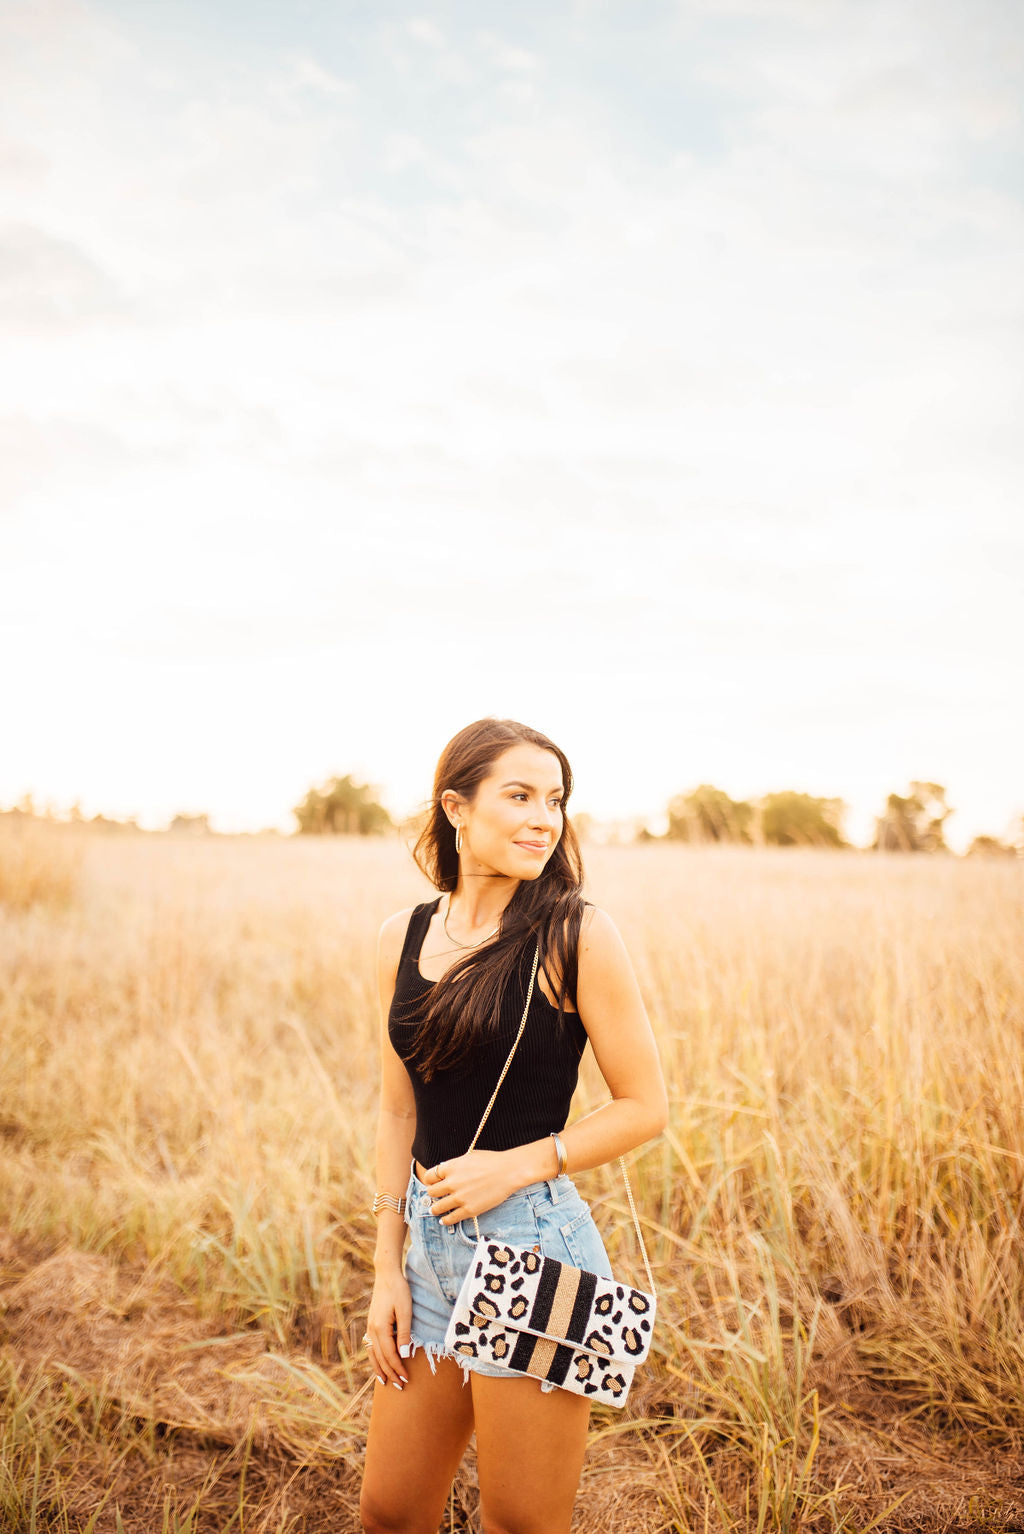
(519, 1227)
(582, 1241)
(419, 1261)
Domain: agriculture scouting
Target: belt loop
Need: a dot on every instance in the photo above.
(552, 1184)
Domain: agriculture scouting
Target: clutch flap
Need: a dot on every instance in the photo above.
(531, 1293)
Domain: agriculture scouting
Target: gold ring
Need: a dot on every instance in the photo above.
(439, 1172)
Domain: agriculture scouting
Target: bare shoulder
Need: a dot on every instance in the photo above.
(604, 965)
(390, 940)
(599, 936)
(549, 977)
(393, 928)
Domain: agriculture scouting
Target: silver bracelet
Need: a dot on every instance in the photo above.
(563, 1160)
(389, 1201)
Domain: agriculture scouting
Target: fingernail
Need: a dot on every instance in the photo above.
(403, 1379)
(396, 1384)
(381, 1380)
(403, 1351)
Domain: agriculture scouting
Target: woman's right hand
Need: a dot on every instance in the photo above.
(387, 1328)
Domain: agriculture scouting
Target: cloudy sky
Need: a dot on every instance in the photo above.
(650, 372)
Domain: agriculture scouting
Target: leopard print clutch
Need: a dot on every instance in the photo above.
(533, 1315)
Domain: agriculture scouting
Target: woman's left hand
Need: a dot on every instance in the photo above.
(469, 1185)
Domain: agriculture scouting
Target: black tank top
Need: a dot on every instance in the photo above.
(535, 1095)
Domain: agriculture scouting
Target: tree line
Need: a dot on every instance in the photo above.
(911, 822)
(706, 815)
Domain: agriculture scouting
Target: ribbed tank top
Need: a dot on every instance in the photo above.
(535, 1095)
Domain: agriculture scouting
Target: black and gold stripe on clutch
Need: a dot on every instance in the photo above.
(562, 1308)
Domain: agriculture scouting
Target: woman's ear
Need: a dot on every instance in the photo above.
(451, 803)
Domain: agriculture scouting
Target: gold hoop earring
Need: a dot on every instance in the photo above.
(458, 840)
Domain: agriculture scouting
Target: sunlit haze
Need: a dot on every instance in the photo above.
(651, 373)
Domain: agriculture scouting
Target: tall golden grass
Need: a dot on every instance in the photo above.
(187, 1099)
(39, 862)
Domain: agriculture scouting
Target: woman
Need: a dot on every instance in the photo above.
(500, 848)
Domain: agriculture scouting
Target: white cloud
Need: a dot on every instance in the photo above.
(309, 75)
(49, 283)
(423, 30)
(507, 56)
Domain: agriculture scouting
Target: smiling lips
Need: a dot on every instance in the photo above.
(533, 846)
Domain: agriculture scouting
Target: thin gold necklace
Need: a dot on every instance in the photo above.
(444, 923)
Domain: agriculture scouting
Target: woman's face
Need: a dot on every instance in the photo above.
(513, 825)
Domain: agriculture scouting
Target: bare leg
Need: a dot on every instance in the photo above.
(529, 1454)
(416, 1439)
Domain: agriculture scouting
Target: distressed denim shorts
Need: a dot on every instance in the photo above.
(549, 1216)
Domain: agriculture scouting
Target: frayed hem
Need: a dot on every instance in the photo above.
(436, 1351)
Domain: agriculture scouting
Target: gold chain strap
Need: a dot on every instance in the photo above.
(490, 1105)
(515, 1046)
(636, 1224)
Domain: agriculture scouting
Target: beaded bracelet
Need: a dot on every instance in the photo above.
(389, 1201)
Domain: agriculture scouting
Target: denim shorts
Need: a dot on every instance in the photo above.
(549, 1216)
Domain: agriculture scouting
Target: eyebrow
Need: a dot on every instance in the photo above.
(518, 783)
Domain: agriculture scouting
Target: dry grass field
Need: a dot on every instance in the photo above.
(187, 1095)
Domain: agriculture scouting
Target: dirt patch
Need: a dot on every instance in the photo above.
(133, 1340)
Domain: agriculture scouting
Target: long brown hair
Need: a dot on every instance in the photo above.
(455, 1017)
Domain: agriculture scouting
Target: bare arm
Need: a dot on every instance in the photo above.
(390, 1310)
(613, 1013)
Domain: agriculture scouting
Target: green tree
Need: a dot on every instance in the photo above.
(583, 825)
(190, 825)
(707, 814)
(990, 847)
(790, 819)
(914, 823)
(341, 807)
